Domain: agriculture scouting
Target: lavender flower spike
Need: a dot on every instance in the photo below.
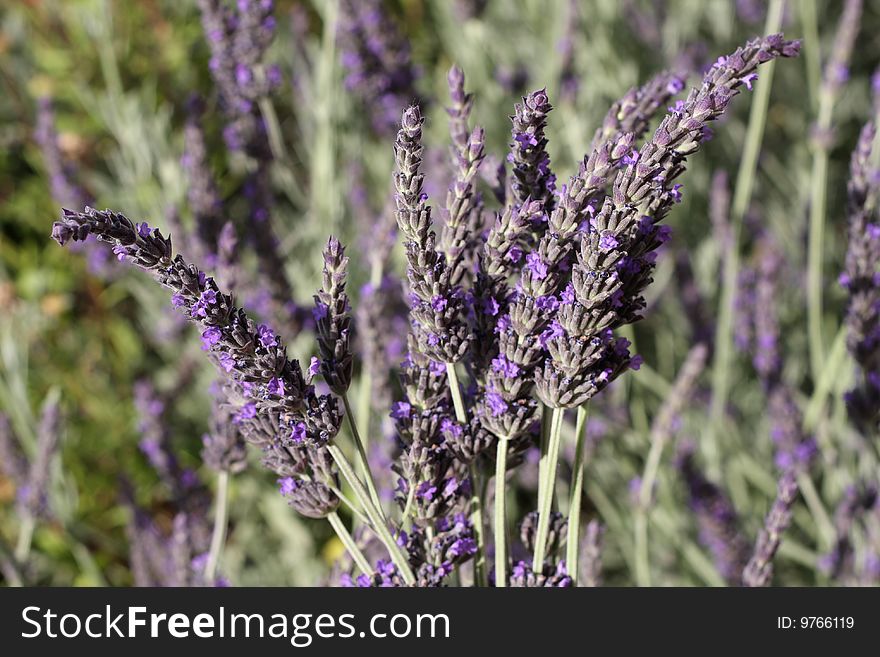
(436, 303)
(333, 320)
(255, 355)
(463, 205)
(759, 569)
(532, 178)
(861, 279)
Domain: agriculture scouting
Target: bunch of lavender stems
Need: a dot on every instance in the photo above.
(249, 357)
(834, 77)
(642, 192)
(582, 257)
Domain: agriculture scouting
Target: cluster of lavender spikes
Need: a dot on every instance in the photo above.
(531, 308)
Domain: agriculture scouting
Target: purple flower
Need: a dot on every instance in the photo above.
(503, 324)
(144, 229)
(210, 337)
(177, 300)
(451, 427)
(608, 241)
(675, 85)
(677, 108)
(514, 254)
(505, 367)
(314, 366)
(537, 266)
(287, 485)
(298, 433)
(227, 362)
(675, 193)
(547, 302)
(439, 303)
(567, 295)
(267, 336)
(496, 403)
(526, 139)
(630, 158)
(426, 491)
(246, 412)
(319, 312)
(462, 547)
(490, 306)
(552, 332)
(401, 410)
(437, 368)
(275, 387)
(749, 79)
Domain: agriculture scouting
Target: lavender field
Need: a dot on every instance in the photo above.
(512, 293)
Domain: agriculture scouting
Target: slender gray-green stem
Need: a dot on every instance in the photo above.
(25, 538)
(353, 550)
(218, 537)
(812, 59)
(9, 567)
(362, 456)
(643, 503)
(545, 433)
(476, 503)
(500, 528)
(377, 521)
(546, 485)
(815, 239)
(745, 180)
(572, 551)
(455, 389)
(356, 512)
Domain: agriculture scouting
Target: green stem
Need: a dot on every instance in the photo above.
(480, 574)
(818, 197)
(218, 537)
(546, 484)
(25, 538)
(377, 522)
(820, 516)
(362, 456)
(455, 389)
(351, 505)
(542, 463)
(810, 24)
(745, 180)
(572, 548)
(476, 502)
(818, 182)
(353, 550)
(501, 514)
(8, 566)
(649, 476)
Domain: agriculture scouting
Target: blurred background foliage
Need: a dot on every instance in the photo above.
(120, 74)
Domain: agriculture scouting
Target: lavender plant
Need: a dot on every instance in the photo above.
(507, 312)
